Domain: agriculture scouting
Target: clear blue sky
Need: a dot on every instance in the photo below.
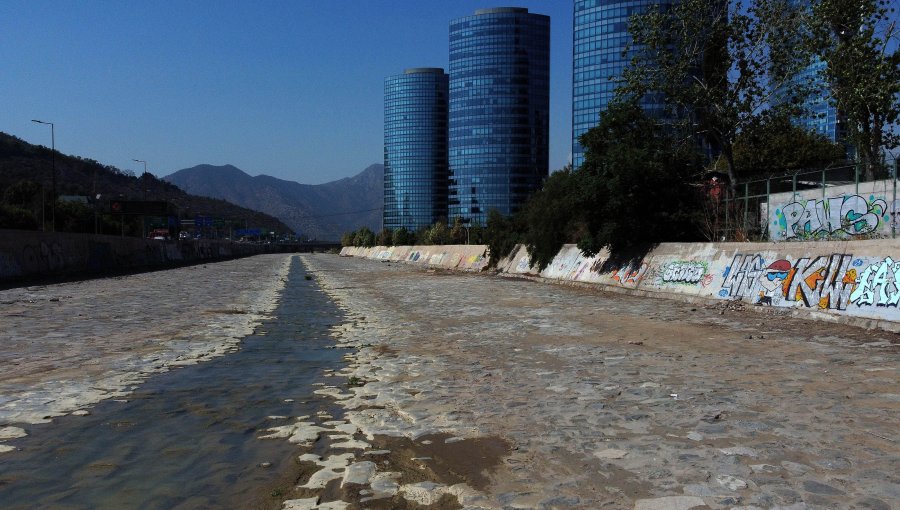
(292, 89)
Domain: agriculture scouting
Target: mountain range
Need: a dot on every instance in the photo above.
(315, 211)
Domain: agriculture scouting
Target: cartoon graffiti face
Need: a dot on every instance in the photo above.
(771, 280)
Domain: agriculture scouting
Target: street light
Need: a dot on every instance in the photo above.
(141, 161)
(53, 159)
(143, 220)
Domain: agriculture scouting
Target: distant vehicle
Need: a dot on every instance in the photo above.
(160, 234)
(184, 234)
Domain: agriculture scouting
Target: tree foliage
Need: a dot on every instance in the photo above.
(636, 186)
(551, 217)
(403, 237)
(502, 234)
(772, 145)
(858, 41)
(715, 65)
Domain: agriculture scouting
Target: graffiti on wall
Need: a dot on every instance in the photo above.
(684, 272)
(523, 265)
(826, 282)
(841, 217)
(878, 285)
(631, 274)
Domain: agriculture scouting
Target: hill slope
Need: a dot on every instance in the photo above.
(321, 211)
(28, 166)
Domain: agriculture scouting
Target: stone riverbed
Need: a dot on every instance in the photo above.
(614, 401)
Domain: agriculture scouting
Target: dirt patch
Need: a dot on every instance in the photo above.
(470, 461)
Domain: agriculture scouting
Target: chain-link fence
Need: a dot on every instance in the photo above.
(831, 203)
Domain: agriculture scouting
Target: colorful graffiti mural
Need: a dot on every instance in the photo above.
(837, 217)
(825, 282)
(878, 285)
(802, 275)
(631, 274)
(683, 272)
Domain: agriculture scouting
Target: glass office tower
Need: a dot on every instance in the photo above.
(415, 148)
(499, 110)
(600, 35)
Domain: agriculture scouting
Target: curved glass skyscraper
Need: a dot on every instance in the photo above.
(499, 110)
(415, 148)
(600, 36)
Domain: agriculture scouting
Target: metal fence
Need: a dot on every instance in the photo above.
(831, 203)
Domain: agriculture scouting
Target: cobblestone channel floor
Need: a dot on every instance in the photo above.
(614, 401)
(66, 346)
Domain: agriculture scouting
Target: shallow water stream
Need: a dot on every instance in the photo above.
(186, 438)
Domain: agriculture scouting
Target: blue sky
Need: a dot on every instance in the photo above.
(292, 89)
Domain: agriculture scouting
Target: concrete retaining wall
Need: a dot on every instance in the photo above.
(26, 254)
(460, 257)
(831, 280)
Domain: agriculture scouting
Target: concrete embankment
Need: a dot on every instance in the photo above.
(28, 255)
(856, 282)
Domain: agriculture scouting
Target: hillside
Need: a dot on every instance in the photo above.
(321, 211)
(24, 168)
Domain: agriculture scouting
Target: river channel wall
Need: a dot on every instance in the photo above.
(856, 282)
(26, 255)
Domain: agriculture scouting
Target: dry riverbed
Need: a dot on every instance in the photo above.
(477, 391)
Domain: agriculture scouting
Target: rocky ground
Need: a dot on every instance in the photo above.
(561, 397)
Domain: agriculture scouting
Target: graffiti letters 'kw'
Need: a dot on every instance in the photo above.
(825, 282)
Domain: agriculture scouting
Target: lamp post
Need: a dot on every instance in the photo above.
(143, 220)
(53, 162)
(141, 161)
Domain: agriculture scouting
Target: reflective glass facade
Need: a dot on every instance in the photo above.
(600, 35)
(820, 117)
(415, 148)
(499, 110)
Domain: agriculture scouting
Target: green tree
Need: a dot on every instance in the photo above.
(348, 239)
(552, 217)
(438, 234)
(772, 145)
(458, 234)
(16, 218)
(635, 184)
(716, 65)
(857, 40)
(403, 237)
(501, 234)
(364, 237)
(385, 237)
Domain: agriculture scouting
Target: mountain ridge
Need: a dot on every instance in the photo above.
(318, 211)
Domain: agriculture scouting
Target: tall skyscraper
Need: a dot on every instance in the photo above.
(499, 110)
(415, 148)
(600, 36)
